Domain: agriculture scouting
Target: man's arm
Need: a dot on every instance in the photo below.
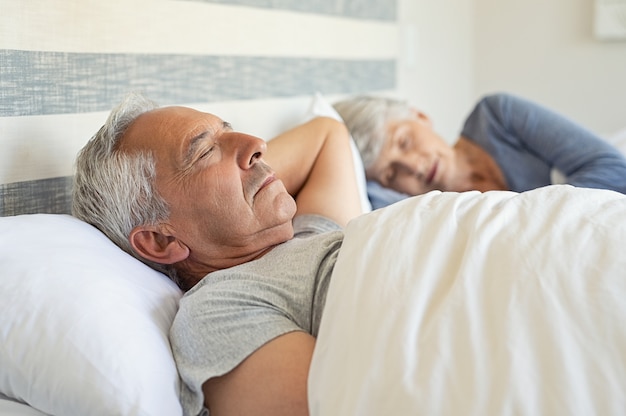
(271, 381)
(314, 161)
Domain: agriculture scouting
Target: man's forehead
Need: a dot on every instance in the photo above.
(177, 115)
(181, 122)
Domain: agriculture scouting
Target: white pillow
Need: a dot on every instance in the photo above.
(321, 108)
(83, 325)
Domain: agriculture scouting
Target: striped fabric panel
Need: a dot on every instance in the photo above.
(40, 83)
(48, 196)
(359, 9)
(62, 69)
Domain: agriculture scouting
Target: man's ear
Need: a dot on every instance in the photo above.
(150, 243)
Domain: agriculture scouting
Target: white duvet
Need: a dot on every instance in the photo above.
(478, 304)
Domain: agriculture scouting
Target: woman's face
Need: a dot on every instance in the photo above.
(413, 159)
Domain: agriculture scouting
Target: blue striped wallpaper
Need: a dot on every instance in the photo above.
(37, 83)
(360, 9)
(69, 72)
(51, 196)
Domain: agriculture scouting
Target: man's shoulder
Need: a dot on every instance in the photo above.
(310, 224)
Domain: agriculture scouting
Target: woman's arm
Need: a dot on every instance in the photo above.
(512, 123)
(314, 161)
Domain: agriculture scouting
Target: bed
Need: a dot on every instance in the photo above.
(458, 324)
(499, 304)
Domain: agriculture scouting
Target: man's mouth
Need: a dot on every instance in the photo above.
(263, 176)
(271, 178)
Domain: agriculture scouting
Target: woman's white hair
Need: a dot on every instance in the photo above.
(115, 191)
(367, 118)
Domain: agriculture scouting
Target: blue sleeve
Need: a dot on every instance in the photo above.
(380, 196)
(527, 139)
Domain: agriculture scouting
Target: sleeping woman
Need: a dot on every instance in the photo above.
(507, 143)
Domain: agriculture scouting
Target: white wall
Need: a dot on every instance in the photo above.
(542, 49)
(545, 50)
(436, 61)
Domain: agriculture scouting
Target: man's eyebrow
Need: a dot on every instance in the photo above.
(192, 147)
(195, 142)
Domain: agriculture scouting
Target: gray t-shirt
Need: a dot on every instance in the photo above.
(231, 313)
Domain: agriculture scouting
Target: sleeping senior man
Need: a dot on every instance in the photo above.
(183, 192)
(252, 231)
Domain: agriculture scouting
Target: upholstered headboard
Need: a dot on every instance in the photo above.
(64, 64)
(50, 195)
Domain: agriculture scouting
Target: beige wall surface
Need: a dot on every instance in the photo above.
(436, 60)
(458, 50)
(546, 51)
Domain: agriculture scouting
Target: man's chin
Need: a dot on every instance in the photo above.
(285, 207)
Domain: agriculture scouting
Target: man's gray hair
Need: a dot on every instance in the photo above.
(366, 118)
(115, 191)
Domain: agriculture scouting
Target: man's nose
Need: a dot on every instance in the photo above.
(249, 150)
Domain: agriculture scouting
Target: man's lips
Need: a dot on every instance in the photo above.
(268, 180)
(262, 176)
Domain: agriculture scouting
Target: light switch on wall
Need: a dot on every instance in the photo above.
(610, 19)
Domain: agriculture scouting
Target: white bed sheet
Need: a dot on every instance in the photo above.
(478, 304)
(10, 407)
